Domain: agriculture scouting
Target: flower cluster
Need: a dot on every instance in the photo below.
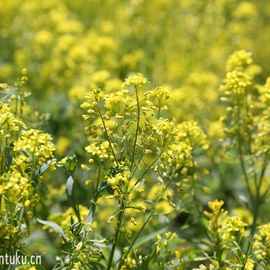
(33, 147)
(127, 187)
(261, 244)
(225, 234)
(24, 154)
(131, 138)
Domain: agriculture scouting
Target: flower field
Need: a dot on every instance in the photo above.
(135, 134)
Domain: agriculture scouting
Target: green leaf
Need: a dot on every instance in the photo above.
(54, 226)
(144, 239)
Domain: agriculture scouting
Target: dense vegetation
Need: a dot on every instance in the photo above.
(135, 134)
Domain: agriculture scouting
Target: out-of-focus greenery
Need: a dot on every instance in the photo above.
(128, 127)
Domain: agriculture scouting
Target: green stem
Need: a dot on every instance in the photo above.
(251, 236)
(256, 208)
(107, 136)
(243, 167)
(137, 127)
(94, 202)
(117, 234)
(135, 239)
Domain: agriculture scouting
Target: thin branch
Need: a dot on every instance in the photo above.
(136, 237)
(117, 233)
(107, 135)
(137, 127)
(244, 170)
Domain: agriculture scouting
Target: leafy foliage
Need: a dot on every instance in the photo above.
(123, 145)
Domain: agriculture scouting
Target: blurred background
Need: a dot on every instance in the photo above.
(69, 47)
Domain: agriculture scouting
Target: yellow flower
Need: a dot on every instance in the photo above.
(239, 61)
(237, 82)
(135, 80)
(10, 125)
(261, 244)
(215, 205)
(34, 146)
